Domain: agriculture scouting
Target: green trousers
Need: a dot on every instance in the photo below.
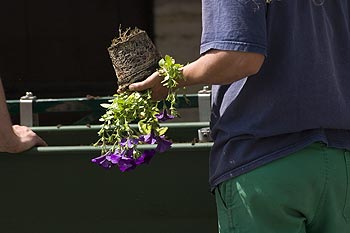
(305, 192)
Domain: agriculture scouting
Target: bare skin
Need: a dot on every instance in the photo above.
(15, 138)
(214, 67)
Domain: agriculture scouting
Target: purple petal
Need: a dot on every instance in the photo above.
(129, 142)
(163, 144)
(106, 164)
(160, 116)
(126, 164)
(99, 159)
(123, 142)
(129, 153)
(113, 158)
(145, 157)
(103, 161)
(164, 116)
(149, 138)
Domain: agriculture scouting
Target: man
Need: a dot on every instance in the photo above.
(280, 160)
(15, 138)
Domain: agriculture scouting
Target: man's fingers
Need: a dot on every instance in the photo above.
(26, 135)
(139, 86)
(145, 84)
(40, 142)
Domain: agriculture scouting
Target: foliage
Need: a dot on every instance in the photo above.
(119, 141)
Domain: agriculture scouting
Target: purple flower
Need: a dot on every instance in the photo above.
(123, 159)
(145, 157)
(106, 164)
(126, 164)
(129, 142)
(164, 116)
(103, 161)
(129, 153)
(149, 138)
(113, 158)
(163, 144)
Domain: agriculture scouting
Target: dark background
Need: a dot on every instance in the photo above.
(59, 48)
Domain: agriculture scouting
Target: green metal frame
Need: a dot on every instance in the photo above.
(57, 189)
(85, 104)
(89, 105)
(87, 135)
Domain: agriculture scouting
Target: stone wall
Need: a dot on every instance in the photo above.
(177, 30)
(177, 27)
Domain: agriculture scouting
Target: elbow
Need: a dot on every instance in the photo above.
(251, 65)
(226, 66)
(237, 65)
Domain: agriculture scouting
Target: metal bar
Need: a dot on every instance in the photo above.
(86, 104)
(204, 104)
(26, 110)
(87, 134)
(90, 151)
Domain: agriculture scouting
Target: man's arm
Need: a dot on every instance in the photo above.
(214, 67)
(15, 138)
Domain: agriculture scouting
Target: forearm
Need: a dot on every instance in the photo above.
(221, 67)
(215, 67)
(6, 132)
(15, 138)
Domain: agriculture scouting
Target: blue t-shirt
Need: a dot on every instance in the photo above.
(301, 93)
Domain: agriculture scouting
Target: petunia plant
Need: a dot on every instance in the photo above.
(119, 141)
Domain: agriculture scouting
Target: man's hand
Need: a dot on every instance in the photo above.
(153, 82)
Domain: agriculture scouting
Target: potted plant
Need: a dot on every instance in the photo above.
(134, 58)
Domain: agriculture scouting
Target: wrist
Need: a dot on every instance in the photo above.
(9, 142)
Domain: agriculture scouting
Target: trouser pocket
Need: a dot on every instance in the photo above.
(224, 203)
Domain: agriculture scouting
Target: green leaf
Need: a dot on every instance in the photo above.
(161, 62)
(105, 105)
(161, 131)
(130, 107)
(144, 128)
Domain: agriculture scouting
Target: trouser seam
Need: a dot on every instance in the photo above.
(346, 211)
(324, 190)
